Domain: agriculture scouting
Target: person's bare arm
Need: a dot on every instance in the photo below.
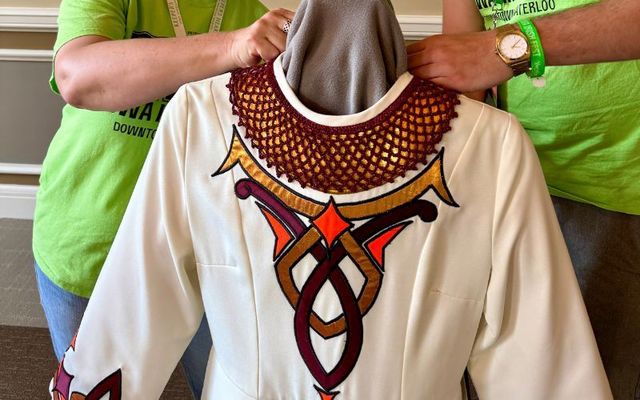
(606, 31)
(97, 73)
(461, 16)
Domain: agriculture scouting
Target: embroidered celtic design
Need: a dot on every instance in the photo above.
(330, 237)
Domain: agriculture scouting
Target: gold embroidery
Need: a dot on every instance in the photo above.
(371, 272)
(431, 177)
(366, 299)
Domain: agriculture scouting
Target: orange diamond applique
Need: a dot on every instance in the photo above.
(330, 223)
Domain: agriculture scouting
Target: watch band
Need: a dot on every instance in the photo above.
(521, 66)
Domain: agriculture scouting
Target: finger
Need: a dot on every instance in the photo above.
(277, 37)
(456, 83)
(416, 60)
(283, 12)
(429, 71)
(254, 59)
(416, 47)
(267, 50)
(284, 25)
(274, 17)
(279, 21)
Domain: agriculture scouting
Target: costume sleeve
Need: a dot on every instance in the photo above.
(89, 17)
(146, 306)
(535, 341)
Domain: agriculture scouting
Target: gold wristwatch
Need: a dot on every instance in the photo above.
(513, 48)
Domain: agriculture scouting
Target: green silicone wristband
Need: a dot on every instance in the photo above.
(537, 54)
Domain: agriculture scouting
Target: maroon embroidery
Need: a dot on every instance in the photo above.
(345, 159)
(111, 385)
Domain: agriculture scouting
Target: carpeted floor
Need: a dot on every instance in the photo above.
(27, 362)
(19, 301)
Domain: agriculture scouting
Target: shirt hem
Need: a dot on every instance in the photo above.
(62, 284)
(605, 206)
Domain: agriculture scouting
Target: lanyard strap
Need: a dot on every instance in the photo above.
(218, 14)
(178, 24)
(498, 5)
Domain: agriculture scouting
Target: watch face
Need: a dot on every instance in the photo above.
(513, 46)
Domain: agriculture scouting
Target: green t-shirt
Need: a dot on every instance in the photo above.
(95, 158)
(585, 123)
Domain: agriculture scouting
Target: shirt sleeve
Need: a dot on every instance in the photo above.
(146, 306)
(535, 340)
(88, 17)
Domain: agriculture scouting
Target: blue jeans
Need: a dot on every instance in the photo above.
(64, 312)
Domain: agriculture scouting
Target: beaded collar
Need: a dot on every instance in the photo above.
(340, 159)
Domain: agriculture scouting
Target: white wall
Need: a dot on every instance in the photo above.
(29, 112)
(29, 3)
